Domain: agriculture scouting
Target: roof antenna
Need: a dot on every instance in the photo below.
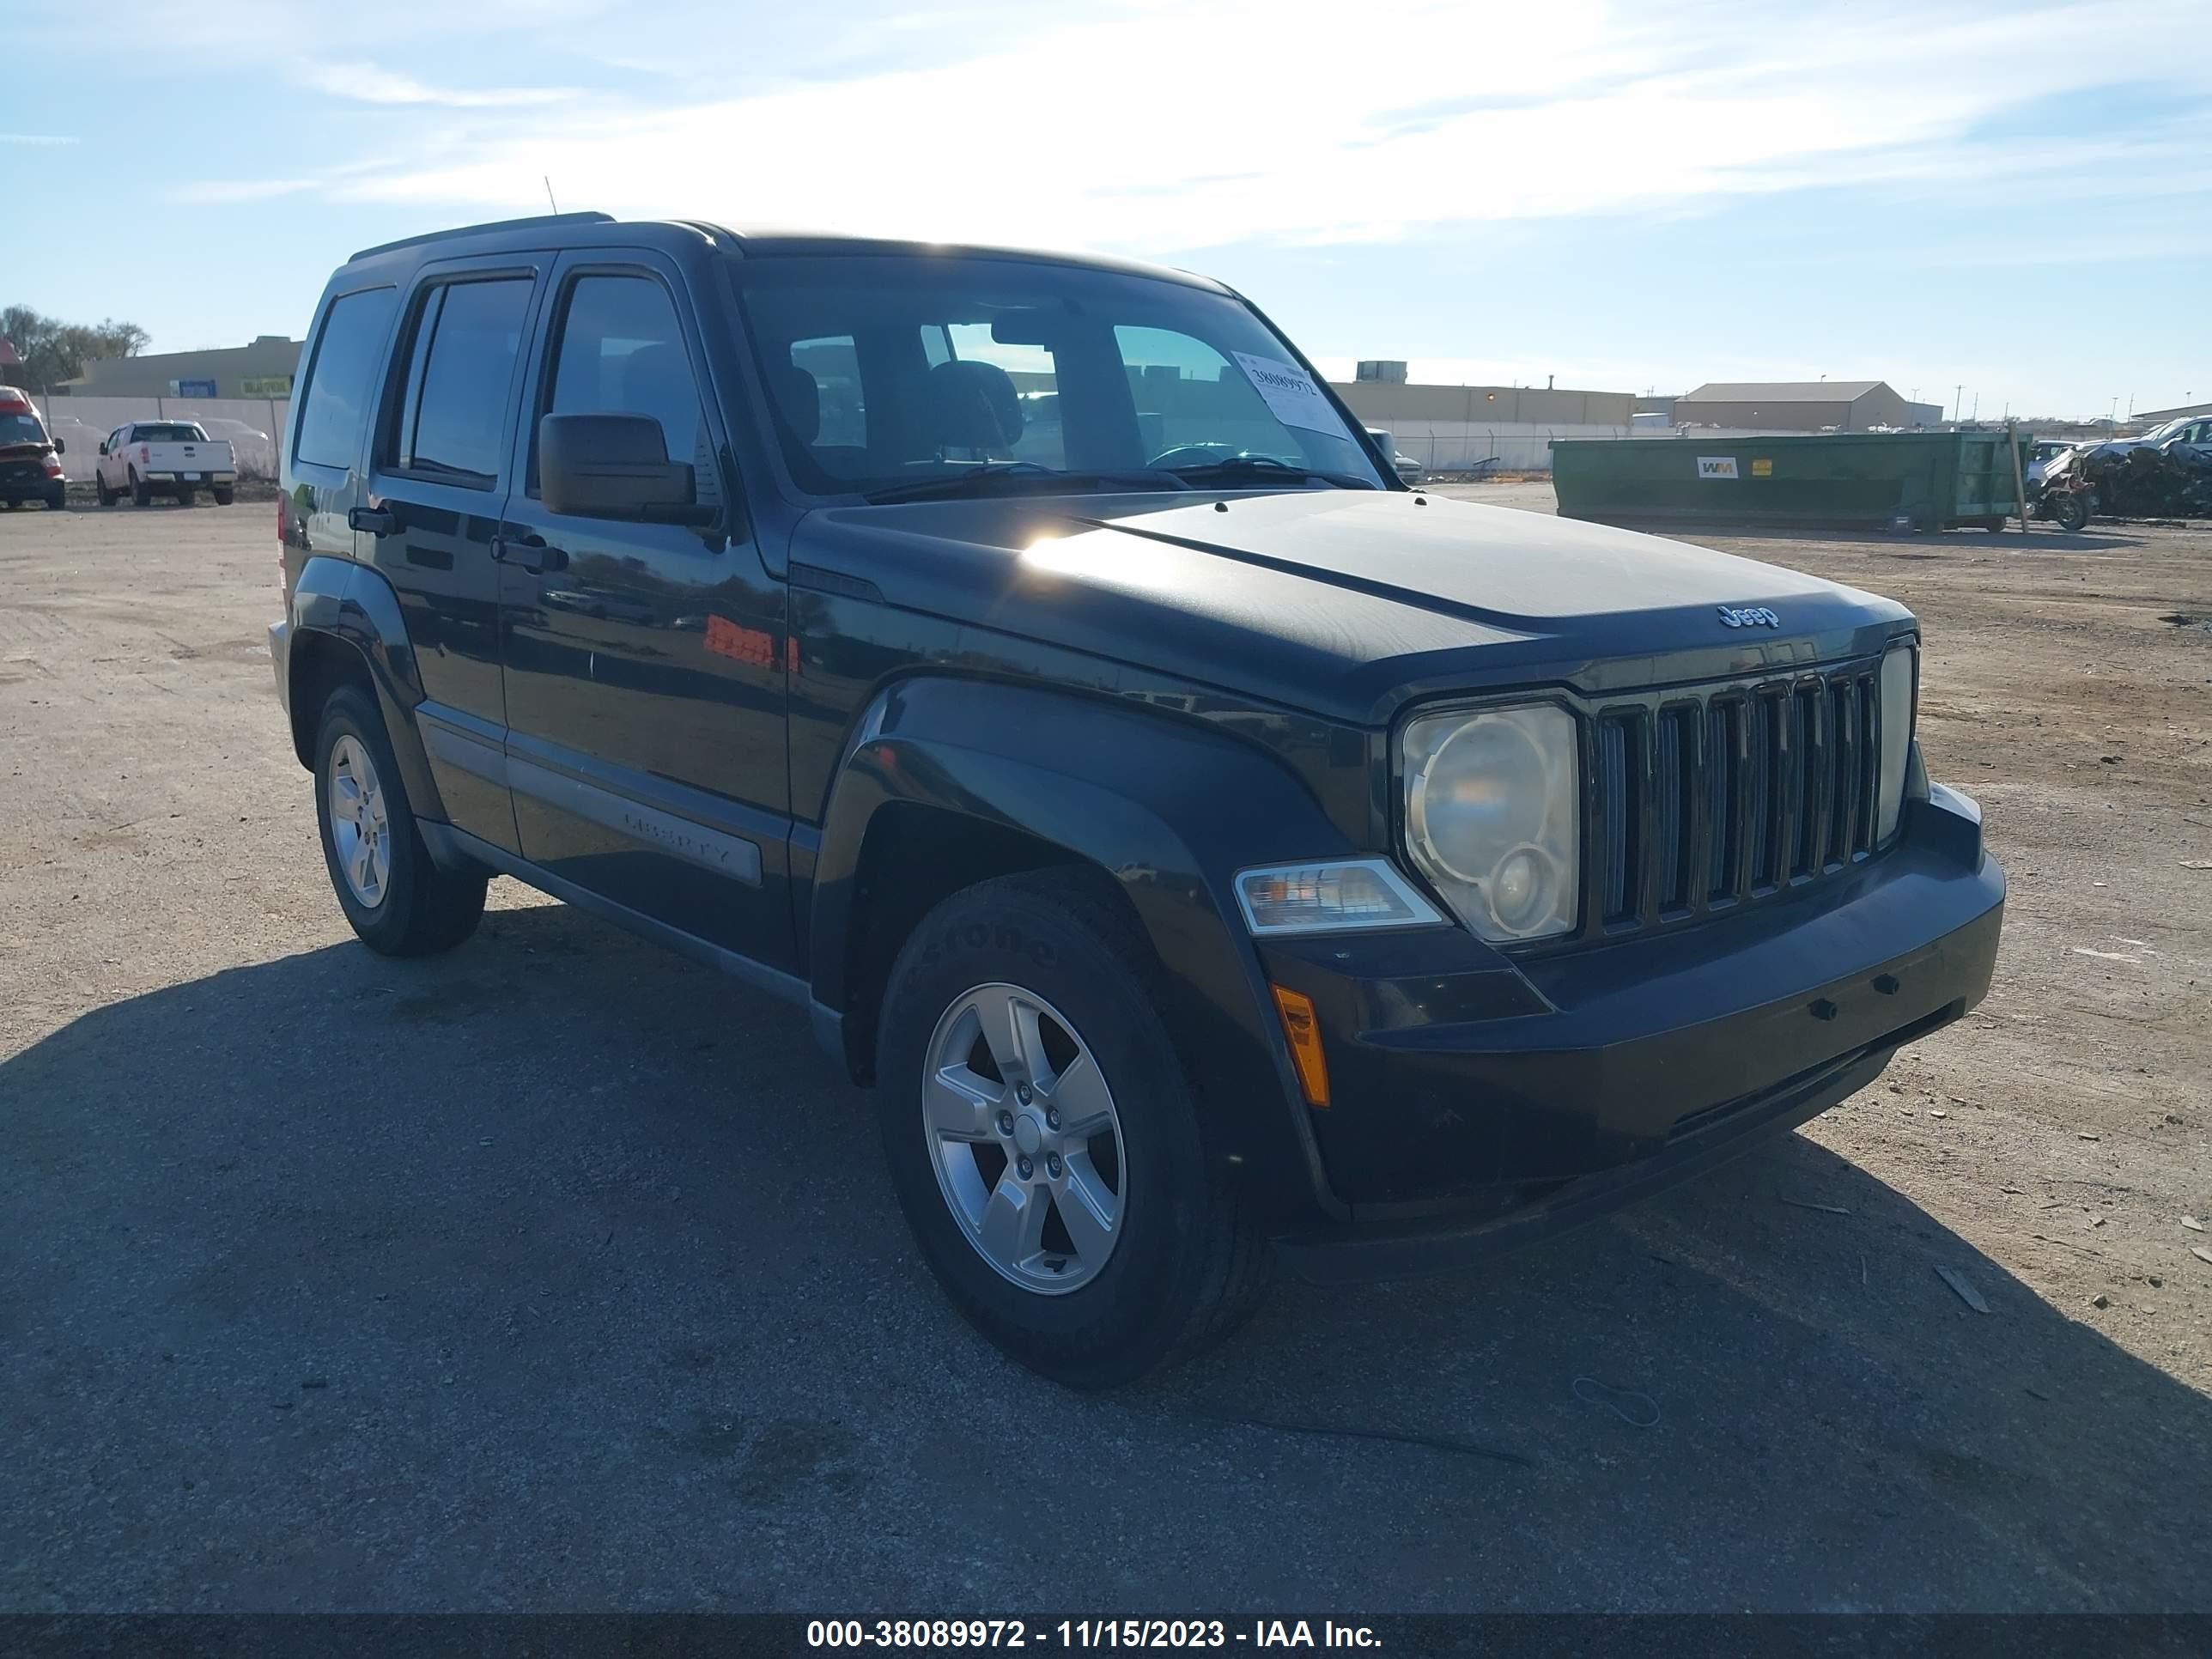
(548, 191)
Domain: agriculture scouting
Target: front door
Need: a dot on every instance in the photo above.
(438, 477)
(645, 661)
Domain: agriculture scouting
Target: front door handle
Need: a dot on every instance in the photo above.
(526, 549)
(376, 520)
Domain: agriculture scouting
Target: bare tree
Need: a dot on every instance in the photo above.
(51, 350)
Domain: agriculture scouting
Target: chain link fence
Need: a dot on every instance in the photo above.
(252, 427)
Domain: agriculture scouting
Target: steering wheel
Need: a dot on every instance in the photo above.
(1206, 455)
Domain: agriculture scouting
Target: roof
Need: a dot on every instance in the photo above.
(2171, 414)
(1784, 392)
(599, 229)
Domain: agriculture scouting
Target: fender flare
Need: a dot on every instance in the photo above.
(346, 600)
(1166, 807)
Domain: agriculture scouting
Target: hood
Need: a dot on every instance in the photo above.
(1345, 602)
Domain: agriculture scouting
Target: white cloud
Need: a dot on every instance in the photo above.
(1164, 127)
(366, 83)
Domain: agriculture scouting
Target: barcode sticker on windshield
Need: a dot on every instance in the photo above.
(1291, 394)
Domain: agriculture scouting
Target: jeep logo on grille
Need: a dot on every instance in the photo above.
(1751, 616)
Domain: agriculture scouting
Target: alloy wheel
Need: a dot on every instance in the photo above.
(1024, 1137)
(361, 833)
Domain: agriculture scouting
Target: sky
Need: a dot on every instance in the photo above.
(2007, 204)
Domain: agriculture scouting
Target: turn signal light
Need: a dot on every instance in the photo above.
(1302, 1030)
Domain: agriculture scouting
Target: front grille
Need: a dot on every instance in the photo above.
(1712, 798)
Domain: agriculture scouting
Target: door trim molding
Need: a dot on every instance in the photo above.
(679, 837)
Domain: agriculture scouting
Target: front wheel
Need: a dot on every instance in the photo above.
(1043, 1140)
(185, 497)
(2070, 512)
(398, 901)
(223, 497)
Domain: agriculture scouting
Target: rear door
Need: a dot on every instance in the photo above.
(439, 478)
(645, 662)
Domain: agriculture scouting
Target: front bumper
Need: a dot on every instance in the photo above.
(1478, 1099)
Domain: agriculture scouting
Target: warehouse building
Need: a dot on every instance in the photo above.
(262, 369)
(1802, 406)
(1395, 405)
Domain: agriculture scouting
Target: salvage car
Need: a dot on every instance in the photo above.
(30, 459)
(1211, 851)
(176, 458)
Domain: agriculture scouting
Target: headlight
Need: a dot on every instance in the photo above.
(1492, 817)
(1899, 677)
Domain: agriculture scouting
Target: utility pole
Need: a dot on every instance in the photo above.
(1958, 392)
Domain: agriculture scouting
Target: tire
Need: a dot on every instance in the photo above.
(142, 494)
(57, 500)
(185, 497)
(223, 497)
(2070, 512)
(1184, 1262)
(412, 907)
(99, 488)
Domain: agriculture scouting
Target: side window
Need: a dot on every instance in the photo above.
(833, 363)
(452, 414)
(341, 376)
(623, 353)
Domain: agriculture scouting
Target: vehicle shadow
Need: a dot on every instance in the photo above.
(556, 1273)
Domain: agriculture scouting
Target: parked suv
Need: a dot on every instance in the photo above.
(1211, 850)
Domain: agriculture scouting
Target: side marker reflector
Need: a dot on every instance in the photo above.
(1296, 1011)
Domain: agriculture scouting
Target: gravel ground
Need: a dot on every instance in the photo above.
(559, 1274)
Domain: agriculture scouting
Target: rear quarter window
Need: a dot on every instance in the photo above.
(341, 378)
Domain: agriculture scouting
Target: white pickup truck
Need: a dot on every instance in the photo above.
(147, 459)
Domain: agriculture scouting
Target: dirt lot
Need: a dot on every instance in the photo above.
(556, 1273)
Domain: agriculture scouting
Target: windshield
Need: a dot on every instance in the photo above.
(887, 373)
(2160, 434)
(21, 429)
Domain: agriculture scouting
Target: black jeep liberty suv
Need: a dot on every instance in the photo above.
(1210, 849)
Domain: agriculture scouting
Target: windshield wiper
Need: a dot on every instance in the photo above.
(973, 479)
(1267, 467)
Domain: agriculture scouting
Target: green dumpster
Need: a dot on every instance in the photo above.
(1928, 480)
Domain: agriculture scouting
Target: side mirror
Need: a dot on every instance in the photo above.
(60, 448)
(103, 446)
(614, 467)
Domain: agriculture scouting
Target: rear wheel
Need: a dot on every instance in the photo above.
(397, 900)
(223, 496)
(185, 495)
(57, 499)
(140, 495)
(1043, 1140)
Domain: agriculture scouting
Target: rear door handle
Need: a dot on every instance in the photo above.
(376, 520)
(526, 549)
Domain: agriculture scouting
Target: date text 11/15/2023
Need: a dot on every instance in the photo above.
(1085, 1633)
